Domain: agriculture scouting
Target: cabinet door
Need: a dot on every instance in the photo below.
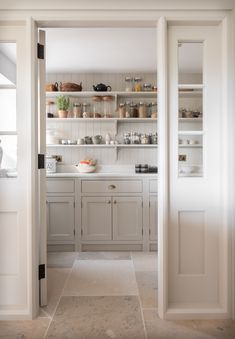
(60, 219)
(96, 218)
(127, 218)
(153, 216)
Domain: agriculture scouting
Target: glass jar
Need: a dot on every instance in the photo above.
(127, 109)
(134, 113)
(77, 110)
(147, 87)
(138, 86)
(85, 110)
(49, 109)
(142, 110)
(135, 138)
(154, 138)
(153, 110)
(127, 138)
(129, 84)
(144, 139)
(121, 110)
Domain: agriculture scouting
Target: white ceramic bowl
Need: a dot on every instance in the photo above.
(84, 168)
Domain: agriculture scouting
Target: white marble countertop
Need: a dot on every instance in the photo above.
(70, 171)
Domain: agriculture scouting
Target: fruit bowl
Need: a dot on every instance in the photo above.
(86, 166)
(82, 168)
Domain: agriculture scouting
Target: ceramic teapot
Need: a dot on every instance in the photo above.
(102, 88)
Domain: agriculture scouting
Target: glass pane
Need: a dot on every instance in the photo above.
(8, 154)
(8, 137)
(190, 61)
(190, 112)
(8, 109)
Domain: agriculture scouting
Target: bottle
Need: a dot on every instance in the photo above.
(107, 139)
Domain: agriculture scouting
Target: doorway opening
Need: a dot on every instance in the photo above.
(107, 77)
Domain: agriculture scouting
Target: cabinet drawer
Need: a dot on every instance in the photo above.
(60, 186)
(153, 186)
(115, 186)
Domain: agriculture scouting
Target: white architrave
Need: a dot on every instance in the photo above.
(89, 16)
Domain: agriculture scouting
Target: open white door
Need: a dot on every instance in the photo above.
(197, 240)
(16, 171)
(42, 171)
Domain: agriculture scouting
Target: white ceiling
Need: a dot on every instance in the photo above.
(101, 50)
(97, 50)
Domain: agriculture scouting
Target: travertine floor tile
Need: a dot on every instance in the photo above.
(104, 256)
(55, 284)
(24, 329)
(188, 329)
(97, 318)
(144, 261)
(101, 278)
(147, 286)
(61, 259)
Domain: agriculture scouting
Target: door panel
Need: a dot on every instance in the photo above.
(153, 218)
(15, 176)
(60, 219)
(96, 218)
(127, 218)
(195, 206)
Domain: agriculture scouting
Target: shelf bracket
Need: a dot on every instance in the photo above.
(116, 153)
(115, 127)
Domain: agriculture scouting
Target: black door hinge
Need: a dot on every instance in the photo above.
(41, 272)
(41, 161)
(40, 51)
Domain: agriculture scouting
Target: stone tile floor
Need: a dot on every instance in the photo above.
(107, 295)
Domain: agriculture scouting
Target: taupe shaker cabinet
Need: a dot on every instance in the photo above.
(82, 214)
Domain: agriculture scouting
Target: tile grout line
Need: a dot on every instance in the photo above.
(53, 314)
(141, 309)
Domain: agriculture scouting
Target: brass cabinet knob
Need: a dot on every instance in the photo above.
(111, 187)
(115, 202)
(109, 202)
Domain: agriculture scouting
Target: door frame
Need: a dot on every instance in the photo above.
(161, 23)
(161, 19)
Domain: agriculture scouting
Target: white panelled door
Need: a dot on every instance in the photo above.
(15, 176)
(196, 276)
